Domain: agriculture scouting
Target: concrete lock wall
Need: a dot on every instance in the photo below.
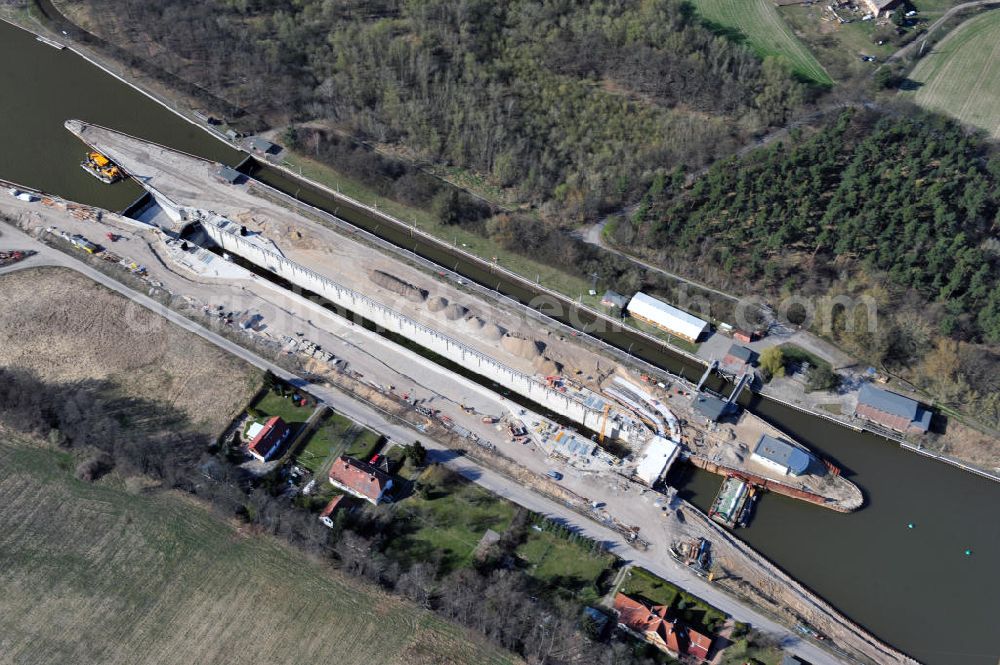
(427, 337)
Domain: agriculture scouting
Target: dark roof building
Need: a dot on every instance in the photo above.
(229, 174)
(360, 479)
(712, 407)
(781, 455)
(263, 145)
(268, 439)
(739, 355)
(613, 299)
(888, 409)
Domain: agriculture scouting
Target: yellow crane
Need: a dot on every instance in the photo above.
(604, 422)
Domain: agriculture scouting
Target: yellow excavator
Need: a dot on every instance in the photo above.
(101, 168)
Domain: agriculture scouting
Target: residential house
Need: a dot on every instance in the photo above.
(267, 438)
(360, 479)
(880, 7)
(651, 624)
(613, 299)
(888, 409)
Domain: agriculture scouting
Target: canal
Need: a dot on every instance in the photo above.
(914, 588)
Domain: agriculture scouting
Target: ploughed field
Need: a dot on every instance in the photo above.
(95, 573)
(961, 75)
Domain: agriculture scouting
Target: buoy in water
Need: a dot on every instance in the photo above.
(910, 525)
(968, 552)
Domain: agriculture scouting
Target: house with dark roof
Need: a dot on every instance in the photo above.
(267, 438)
(781, 456)
(739, 356)
(613, 299)
(651, 624)
(888, 409)
(360, 479)
(263, 146)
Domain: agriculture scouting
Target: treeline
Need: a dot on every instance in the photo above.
(572, 104)
(154, 440)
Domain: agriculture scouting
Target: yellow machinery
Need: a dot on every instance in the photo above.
(604, 422)
(98, 159)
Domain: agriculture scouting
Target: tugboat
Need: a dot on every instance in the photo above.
(101, 168)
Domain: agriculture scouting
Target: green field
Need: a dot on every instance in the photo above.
(449, 521)
(961, 76)
(561, 564)
(329, 437)
(765, 32)
(95, 574)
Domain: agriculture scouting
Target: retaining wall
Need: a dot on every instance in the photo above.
(429, 338)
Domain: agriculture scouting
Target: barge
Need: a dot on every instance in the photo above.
(734, 503)
(101, 168)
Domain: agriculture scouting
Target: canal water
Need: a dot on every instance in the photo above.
(913, 587)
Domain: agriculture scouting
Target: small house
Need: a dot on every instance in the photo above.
(326, 517)
(781, 456)
(263, 146)
(613, 299)
(888, 409)
(879, 7)
(360, 479)
(739, 356)
(267, 438)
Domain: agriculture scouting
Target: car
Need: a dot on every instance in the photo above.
(554, 475)
(596, 504)
(374, 460)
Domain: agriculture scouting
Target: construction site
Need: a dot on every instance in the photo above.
(448, 355)
(589, 410)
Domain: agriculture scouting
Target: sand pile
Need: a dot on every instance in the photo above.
(493, 332)
(396, 285)
(546, 366)
(455, 312)
(521, 346)
(437, 304)
(475, 324)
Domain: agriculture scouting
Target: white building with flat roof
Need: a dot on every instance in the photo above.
(657, 458)
(668, 318)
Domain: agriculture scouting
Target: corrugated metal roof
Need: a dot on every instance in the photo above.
(783, 453)
(883, 400)
(667, 316)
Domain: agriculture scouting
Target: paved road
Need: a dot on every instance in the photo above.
(653, 560)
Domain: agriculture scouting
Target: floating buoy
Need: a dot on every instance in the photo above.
(910, 525)
(968, 552)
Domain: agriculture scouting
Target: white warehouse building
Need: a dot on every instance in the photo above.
(667, 318)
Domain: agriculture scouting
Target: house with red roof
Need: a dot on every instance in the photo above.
(267, 438)
(360, 479)
(651, 624)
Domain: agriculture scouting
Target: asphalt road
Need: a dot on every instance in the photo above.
(656, 561)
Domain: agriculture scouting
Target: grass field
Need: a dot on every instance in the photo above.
(67, 328)
(765, 32)
(450, 522)
(561, 564)
(961, 76)
(93, 574)
(328, 438)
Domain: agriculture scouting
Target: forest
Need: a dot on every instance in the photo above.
(899, 205)
(569, 105)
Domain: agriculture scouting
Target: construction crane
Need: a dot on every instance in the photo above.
(604, 422)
